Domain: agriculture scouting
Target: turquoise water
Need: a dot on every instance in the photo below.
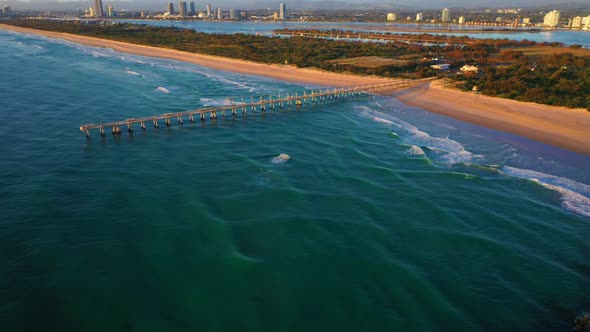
(567, 37)
(383, 218)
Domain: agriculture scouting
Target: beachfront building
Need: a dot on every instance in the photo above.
(461, 20)
(586, 23)
(170, 8)
(446, 15)
(191, 8)
(282, 11)
(576, 22)
(391, 17)
(209, 10)
(419, 17)
(552, 19)
(98, 11)
(219, 14)
(91, 12)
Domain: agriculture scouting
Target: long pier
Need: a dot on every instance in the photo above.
(263, 104)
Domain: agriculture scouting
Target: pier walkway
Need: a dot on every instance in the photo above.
(263, 104)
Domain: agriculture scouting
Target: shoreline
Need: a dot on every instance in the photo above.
(557, 126)
(276, 71)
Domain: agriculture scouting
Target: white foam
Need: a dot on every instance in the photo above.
(378, 119)
(575, 196)
(131, 72)
(449, 151)
(280, 158)
(414, 151)
(104, 53)
(218, 102)
(163, 90)
(225, 80)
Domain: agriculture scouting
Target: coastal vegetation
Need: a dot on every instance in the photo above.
(546, 73)
(558, 79)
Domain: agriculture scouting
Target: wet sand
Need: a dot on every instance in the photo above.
(557, 126)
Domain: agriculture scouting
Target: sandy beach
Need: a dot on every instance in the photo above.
(280, 72)
(558, 126)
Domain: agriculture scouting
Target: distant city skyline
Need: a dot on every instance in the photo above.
(299, 4)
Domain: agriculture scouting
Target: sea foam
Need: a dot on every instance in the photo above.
(163, 90)
(414, 151)
(575, 196)
(217, 102)
(447, 150)
(281, 158)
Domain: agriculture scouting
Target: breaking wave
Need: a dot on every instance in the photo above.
(216, 102)
(163, 90)
(575, 196)
(447, 151)
(280, 159)
(414, 151)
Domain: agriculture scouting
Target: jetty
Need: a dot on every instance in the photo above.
(262, 103)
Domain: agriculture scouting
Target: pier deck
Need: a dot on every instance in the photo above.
(262, 105)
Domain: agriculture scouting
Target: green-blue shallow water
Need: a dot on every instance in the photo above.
(383, 218)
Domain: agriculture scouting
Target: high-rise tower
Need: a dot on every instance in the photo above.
(552, 18)
(182, 9)
(446, 15)
(110, 11)
(5, 11)
(170, 8)
(282, 11)
(234, 14)
(208, 10)
(191, 8)
(98, 12)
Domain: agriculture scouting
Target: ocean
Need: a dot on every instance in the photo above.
(365, 215)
